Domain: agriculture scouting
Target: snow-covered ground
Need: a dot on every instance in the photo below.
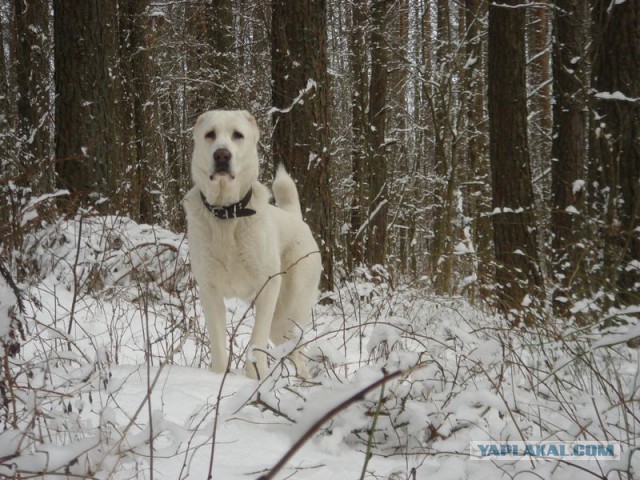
(112, 378)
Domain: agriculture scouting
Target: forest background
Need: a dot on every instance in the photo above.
(491, 152)
(470, 169)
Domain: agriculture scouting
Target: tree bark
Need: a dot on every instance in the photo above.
(539, 84)
(300, 112)
(568, 151)
(445, 160)
(85, 37)
(616, 81)
(141, 117)
(359, 120)
(399, 130)
(5, 109)
(517, 269)
(32, 82)
(477, 161)
(375, 253)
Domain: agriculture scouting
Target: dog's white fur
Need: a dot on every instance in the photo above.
(270, 258)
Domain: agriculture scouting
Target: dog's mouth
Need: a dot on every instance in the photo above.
(219, 174)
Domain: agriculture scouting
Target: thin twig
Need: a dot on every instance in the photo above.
(368, 454)
(75, 278)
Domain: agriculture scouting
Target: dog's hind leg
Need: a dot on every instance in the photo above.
(256, 365)
(289, 323)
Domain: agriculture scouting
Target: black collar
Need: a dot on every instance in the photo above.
(231, 211)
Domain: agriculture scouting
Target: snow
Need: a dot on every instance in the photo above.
(112, 380)
(299, 100)
(471, 61)
(578, 186)
(617, 95)
(498, 210)
(463, 248)
(29, 213)
(572, 210)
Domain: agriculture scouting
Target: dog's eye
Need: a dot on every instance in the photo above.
(211, 135)
(237, 136)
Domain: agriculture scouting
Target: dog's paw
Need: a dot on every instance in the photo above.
(300, 364)
(256, 368)
(252, 371)
(256, 365)
(218, 368)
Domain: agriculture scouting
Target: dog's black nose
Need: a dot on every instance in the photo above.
(222, 156)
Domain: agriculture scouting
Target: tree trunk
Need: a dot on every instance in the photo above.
(32, 82)
(5, 109)
(375, 253)
(143, 153)
(445, 161)
(7, 155)
(477, 161)
(616, 80)
(85, 36)
(359, 121)
(568, 151)
(517, 269)
(399, 44)
(300, 112)
(539, 82)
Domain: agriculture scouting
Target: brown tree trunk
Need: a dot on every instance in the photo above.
(477, 161)
(359, 120)
(5, 108)
(140, 112)
(300, 112)
(375, 253)
(568, 150)
(616, 81)
(32, 82)
(85, 36)
(399, 44)
(517, 269)
(445, 161)
(7, 170)
(543, 62)
(539, 81)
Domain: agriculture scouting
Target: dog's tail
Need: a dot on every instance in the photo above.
(286, 193)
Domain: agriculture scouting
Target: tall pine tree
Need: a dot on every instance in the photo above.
(300, 115)
(518, 276)
(86, 134)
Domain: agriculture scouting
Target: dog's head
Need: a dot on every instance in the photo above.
(225, 155)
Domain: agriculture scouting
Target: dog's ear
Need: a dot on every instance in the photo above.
(253, 123)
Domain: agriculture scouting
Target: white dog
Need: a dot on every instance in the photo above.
(243, 247)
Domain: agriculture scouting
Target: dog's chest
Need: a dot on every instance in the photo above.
(233, 259)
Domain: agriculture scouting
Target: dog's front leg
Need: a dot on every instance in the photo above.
(215, 316)
(265, 303)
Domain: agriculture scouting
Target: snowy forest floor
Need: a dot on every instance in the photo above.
(112, 380)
